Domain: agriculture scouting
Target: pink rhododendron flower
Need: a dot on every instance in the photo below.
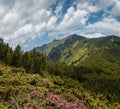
(60, 105)
(65, 101)
(35, 92)
(44, 102)
(35, 106)
(67, 106)
(28, 104)
(74, 105)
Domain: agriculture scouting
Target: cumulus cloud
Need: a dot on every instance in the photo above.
(73, 19)
(20, 18)
(23, 20)
(106, 26)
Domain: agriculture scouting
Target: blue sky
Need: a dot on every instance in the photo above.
(32, 23)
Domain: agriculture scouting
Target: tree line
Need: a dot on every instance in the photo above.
(32, 61)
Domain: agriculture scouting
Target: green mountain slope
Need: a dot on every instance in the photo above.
(22, 90)
(55, 49)
(76, 49)
(32, 82)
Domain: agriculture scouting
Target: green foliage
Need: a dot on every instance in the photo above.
(22, 90)
(95, 80)
(5, 52)
(16, 85)
(33, 62)
(16, 57)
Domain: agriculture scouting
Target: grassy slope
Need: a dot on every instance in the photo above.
(76, 49)
(93, 49)
(48, 47)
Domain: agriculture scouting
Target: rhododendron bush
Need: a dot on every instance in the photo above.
(37, 100)
(20, 90)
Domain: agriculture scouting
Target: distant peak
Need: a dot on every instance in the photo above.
(75, 36)
(55, 40)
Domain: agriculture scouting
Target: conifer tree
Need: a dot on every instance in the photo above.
(16, 56)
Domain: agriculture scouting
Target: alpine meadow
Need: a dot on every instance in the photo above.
(60, 54)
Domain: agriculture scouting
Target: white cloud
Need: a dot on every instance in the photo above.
(106, 26)
(104, 4)
(11, 18)
(40, 27)
(73, 18)
(93, 35)
(23, 20)
(52, 23)
(23, 31)
(2, 11)
(69, 14)
(87, 6)
(116, 9)
(58, 10)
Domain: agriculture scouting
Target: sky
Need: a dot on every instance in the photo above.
(31, 23)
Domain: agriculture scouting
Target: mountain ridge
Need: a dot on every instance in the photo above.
(75, 49)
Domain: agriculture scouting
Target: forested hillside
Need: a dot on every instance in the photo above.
(28, 80)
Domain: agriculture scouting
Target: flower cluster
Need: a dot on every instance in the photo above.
(35, 91)
(56, 101)
(65, 104)
(36, 100)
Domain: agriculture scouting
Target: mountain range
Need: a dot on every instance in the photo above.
(76, 49)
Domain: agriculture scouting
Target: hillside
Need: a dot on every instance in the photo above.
(32, 91)
(102, 53)
(76, 49)
(29, 81)
(19, 89)
(57, 46)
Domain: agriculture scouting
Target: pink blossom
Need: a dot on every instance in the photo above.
(56, 96)
(67, 106)
(74, 105)
(35, 106)
(60, 105)
(65, 101)
(44, 102)
(35, 92)
(28, 104)
(53, 101)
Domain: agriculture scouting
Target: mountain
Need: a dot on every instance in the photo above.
(28, 80)
(54, 50)
(76, 49)
(47, 48)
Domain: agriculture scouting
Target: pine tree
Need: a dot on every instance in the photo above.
(16, 57)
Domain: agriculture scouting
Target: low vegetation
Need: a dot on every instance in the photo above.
(29, 81)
